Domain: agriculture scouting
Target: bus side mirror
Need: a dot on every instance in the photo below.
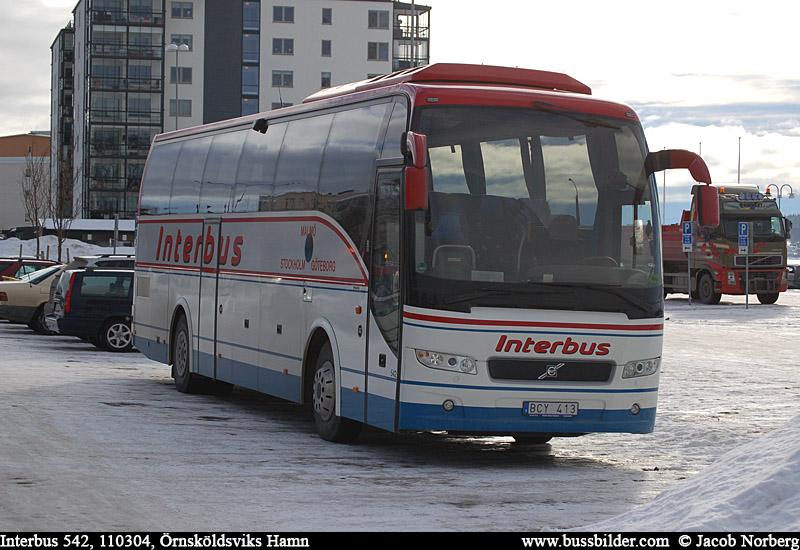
(707, 200)
(415, 149)
(678, 158)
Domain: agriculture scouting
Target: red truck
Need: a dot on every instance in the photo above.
(716, 267)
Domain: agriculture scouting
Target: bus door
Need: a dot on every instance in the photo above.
(208, 305)
(384, 302)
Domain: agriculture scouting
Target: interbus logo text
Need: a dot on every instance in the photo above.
(188, 248)
(568, 346)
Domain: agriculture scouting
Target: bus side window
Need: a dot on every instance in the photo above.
(220, 172)
(188, 176)
(348, 167)
(297, 175)
(255, 180)
(397, 125)
(158, 179)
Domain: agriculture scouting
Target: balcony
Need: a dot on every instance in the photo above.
(110, 83)
(119, 50)
(119, 17)
(119, 117)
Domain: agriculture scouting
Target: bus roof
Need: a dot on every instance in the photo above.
(442, 73)
(445, 82)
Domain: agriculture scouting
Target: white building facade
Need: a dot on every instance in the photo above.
(237, 57)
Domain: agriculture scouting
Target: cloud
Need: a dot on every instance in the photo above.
(732, 152)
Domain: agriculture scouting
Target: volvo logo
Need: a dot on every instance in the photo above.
(551, 371)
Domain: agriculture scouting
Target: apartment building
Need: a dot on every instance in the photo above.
(141, 67)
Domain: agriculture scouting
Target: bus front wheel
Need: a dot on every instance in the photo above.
(330, 426)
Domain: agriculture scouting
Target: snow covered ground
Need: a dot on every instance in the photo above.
(98, 441)
(48, 247)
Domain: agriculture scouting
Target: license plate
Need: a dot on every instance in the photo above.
(548, 408)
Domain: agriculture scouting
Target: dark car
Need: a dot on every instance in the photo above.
(793, 274)
(19, 266)
(103, 260)
(95, 304)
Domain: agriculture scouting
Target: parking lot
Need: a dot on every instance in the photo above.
(95, 440)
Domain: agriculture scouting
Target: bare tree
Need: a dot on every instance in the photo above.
(35, 192)
(62, 207)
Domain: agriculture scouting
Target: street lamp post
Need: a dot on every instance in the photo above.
(780, 191)
(177, 48)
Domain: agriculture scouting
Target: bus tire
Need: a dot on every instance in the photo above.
(185, 380)
(330, 426)
(767, 297)
(705, 290)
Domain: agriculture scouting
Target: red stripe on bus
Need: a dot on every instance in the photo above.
(539, 324)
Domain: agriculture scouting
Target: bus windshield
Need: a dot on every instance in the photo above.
(536, 208)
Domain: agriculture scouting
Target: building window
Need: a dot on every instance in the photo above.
(182, 39)
(278, 105)
(182, 10)
(184, 107)
(327, 16)
(250, 48)
(283, 14)
(251, 16)
(282, 79)
(250, 80)
(249, 106)
(184, 75)
(326, 48)
(326, 80)
(282, 46)
(139, 107)
(378, 51)
(378, 19)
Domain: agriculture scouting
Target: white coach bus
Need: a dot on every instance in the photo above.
(462, 248)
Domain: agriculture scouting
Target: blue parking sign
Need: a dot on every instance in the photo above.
(743, 229)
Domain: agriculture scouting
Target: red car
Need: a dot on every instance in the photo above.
(17, 267)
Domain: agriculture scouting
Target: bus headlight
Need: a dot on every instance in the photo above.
(642, 367)
(444, 361)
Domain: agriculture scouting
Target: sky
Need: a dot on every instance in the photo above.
(719, 78)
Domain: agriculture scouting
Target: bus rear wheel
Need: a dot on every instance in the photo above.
(185, 380)
(330, 426)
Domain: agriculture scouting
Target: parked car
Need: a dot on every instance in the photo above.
(793, 274)
(23, 300)
(15, 268)
(95, 303)
(103, 260)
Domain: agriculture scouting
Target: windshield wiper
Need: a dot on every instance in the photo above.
(644, 305)
(486, 292)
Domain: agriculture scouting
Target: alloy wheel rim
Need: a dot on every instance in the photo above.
(119, 335)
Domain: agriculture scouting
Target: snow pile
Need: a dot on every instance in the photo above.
(48, 245)
(755, 487)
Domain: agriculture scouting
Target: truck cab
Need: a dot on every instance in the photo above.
(716, 265)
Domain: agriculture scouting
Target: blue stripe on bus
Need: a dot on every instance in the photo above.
(415, 416)
(336, 288)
